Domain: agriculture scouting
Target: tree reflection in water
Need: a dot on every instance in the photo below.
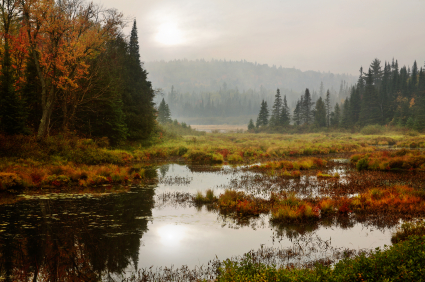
(81, 239)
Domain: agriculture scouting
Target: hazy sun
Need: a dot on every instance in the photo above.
(169, 34)
(171, 235)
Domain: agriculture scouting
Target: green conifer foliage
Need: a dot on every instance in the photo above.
(320, 113)
(336, 116)
(263, 116)
(328, 108)
(251, 125)
(138, 99)
(306, 108)
(285, 116)
(12, 110)
(275, 119)
(164, 114)
(370, 111)
(346, 114)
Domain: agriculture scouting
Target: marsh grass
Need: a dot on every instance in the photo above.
(408, 229)
(209, 197)
(390, 160)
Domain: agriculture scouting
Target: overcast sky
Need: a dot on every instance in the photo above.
(327, 35)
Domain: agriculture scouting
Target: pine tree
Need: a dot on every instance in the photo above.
(164, 114)
(328, 108)
(320, 113)
(138, 97)
(297, 117)
(275, 119)
(285, 117)
(306, 111)
(420, 103)
(263, 116)
(336, 116)
(322, 90)
(377, 73)
(251, 125)
(370, 113)
(355, 105)
(346, 114)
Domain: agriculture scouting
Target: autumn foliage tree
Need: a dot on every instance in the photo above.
(58, 57)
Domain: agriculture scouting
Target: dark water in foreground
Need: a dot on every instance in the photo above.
(87, 238)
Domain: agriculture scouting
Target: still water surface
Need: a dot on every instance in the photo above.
(118, 234)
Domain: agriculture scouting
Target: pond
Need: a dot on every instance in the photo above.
(90, 238)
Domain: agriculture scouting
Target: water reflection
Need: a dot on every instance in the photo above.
(81, 239)
(93, 239)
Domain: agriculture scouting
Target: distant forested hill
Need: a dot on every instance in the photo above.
(218, 91)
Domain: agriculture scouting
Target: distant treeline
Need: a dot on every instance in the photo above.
(67, 67)
(386, 95)
(219, 91)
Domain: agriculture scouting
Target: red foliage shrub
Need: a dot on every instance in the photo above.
(36, 178)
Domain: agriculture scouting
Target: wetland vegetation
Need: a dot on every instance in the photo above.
(285, 194)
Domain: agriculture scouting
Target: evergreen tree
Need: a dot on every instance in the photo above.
(370, 113)
(346, 114)
(285, 117)
(355, 105)
(320, 113)
(164, 114)
(336, 116)
(263, 116)
(12, 110)
(307, 105)
(104, 115)
(275, 118)
(328, 108)
(322, 90)
(138, 97)
(251, 125)
(377, 73)
(420, 103)
(297, 117)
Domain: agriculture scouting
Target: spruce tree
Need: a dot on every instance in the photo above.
(263, 116)
(355, 105)
(275, 118)
(336, 116)
(285, 117)
(370, 113)
(346, 114)
(297, 117)
(420, 103)
(138, 97)
(164, 114)
(306, 111)
(320, 113)
(328, 108)
(251, 125)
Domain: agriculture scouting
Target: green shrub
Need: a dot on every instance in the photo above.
(362, 164)
(182, 150)
(234, 158)
(372, 129)
(402, 262)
